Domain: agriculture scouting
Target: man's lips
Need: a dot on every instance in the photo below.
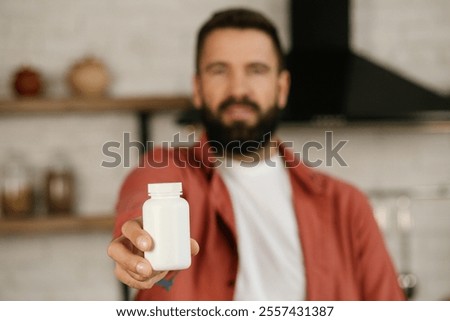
(239, 112)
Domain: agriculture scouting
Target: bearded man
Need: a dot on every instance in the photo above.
(263, 225)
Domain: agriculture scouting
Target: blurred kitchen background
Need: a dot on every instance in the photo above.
(134, 52)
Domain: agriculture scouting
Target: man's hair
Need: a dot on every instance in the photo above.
(241, 19)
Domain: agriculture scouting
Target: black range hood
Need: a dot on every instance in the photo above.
(328, 79)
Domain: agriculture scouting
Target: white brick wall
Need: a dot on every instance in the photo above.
(57, 267)
(148, 46)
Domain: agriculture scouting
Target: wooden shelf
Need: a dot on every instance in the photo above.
(46, 105)
(56, 224)
(74, 223)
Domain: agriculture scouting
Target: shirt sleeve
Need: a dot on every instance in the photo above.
(375, 270)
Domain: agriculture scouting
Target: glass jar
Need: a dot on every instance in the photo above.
(59, 187)
(17, 193)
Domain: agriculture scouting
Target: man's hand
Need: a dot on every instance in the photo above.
(128, 253)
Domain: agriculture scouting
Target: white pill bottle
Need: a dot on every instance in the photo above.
(166, 218)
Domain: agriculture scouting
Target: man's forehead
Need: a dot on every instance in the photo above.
(232, 42)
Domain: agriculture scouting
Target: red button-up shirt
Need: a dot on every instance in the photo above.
(344, 254)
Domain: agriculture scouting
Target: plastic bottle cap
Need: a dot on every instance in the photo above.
(165, 188)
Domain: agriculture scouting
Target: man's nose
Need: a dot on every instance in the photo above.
(238, 86)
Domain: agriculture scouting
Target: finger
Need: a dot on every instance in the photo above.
(133, 231)
(141, 278)
(195, 248)
(127, 279)
(121, 254)
(138, 277)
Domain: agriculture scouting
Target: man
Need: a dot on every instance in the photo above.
(268, 227)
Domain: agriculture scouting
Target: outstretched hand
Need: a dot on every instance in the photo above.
(128, 250)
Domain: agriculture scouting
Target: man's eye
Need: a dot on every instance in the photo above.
(218, 70)
(258, 69)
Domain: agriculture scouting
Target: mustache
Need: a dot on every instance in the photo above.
(233, 101)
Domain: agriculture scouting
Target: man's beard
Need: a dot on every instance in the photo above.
(238, 137)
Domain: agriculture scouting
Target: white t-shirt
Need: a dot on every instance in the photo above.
(270, 256)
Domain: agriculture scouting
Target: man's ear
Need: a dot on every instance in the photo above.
(196, 96)
(284, 84)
